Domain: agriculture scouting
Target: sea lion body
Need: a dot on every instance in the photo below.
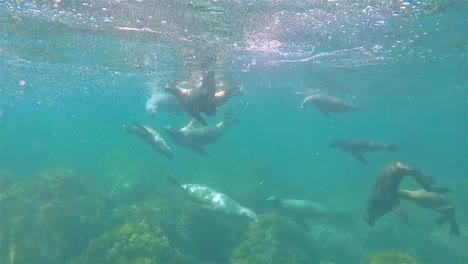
(328, 104)
(195, 137)
(214, 200)
(358, 147)
(302, 210)
(203, 99)
(151, 137)
(384, 196)
(433, 201)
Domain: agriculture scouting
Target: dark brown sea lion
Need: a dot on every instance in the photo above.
(203, 99)
(436, 202)
(384, 196)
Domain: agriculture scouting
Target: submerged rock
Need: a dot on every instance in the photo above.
(336, 245)
(390, 257)
(440, 247)
(274, 240)
(7, 178)
(142, 234)
(48, 218)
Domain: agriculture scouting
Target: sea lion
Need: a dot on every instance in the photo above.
(204, 98)
(384, 196)
(436, 202)
(151, 137)
(165, 102)
(358, 147)
(302, 210)
(328, 104)
(208, 198)
(194, 136)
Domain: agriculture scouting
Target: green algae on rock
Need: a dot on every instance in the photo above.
(7, 178)
(274, 240)
(390, 257)
(48, 218)
(139, 238)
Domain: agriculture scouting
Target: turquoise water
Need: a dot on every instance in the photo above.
(74, 74)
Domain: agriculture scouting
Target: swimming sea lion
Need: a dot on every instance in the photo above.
(328, 104)
(165, 102)
(151, 137)
(195, 137)
(436, 202)
(203, 99)
(384, 196)
(358, 147)
(208, 198)
(302, 210)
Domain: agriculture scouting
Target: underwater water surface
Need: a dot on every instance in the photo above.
(76, 187)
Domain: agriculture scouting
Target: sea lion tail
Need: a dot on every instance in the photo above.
(174, 180)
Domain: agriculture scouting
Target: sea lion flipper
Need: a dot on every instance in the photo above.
(198, 117)
(300, 221)
(454, 227)
(442, 220)
(193, 123)
(359, 157)
(200, 150)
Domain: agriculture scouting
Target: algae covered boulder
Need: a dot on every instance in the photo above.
(48, 218)
(139, 236)
(209, 235)
(7, 178)
(337, 245)
(390, 257)
(274, 240)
